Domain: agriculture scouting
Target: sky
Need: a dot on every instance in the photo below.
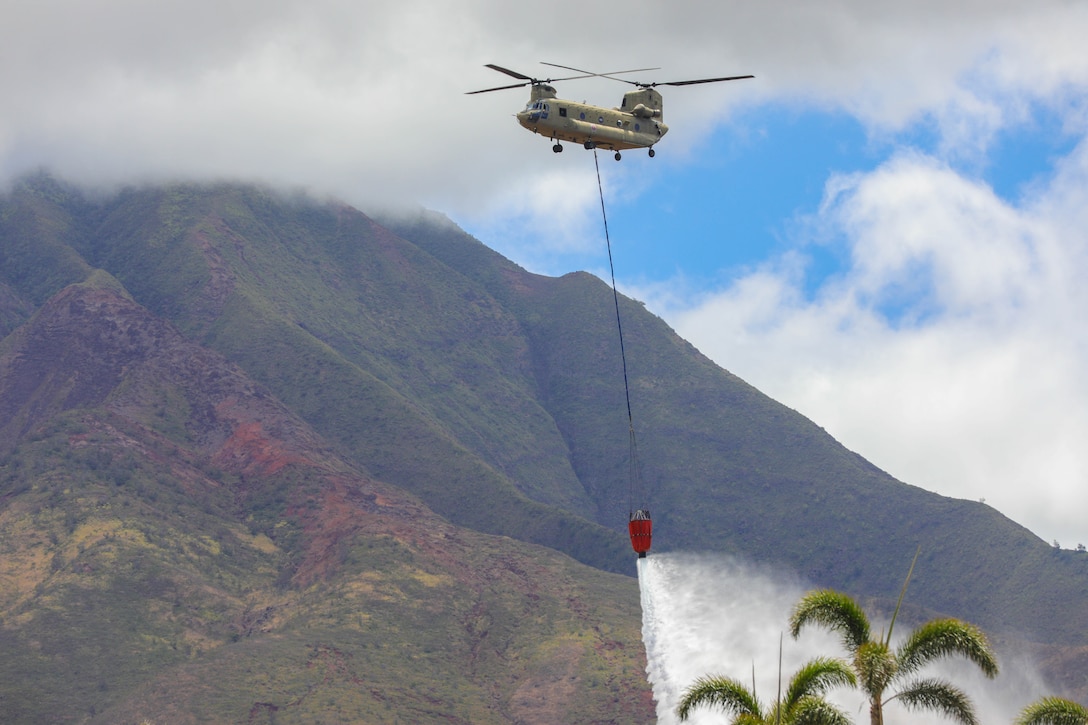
(882, 230)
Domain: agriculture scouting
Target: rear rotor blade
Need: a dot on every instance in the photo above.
(588, 74)
(609, 75)
(701, 80)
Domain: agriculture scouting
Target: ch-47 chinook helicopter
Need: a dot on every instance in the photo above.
(637, 123)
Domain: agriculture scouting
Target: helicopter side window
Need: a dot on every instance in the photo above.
(562, 111)
(582, 115)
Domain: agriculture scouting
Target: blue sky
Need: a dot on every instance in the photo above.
(743, 196)
(882, 230)
(734, 202)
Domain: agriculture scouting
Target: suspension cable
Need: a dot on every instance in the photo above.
(633, 471)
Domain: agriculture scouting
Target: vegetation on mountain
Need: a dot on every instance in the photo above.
(188, 370)
(179, 547)
(728, 469)
(410, 372)
(803, 703)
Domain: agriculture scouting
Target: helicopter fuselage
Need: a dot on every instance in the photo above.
(636, 124)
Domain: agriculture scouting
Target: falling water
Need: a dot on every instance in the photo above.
(716, 615)
(705, 614)
(665, 692)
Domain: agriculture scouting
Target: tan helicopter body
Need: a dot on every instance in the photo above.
(637, 123)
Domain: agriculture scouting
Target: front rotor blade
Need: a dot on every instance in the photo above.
(566, 67)
(568, 78)
(509, 72)
(617, 72)
(702, 80)
(608, 75)
(499, 88)
(522, 76)
(585, 73)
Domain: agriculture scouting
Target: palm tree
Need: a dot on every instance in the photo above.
(803, 704)
(878, 667)
(1053, 711)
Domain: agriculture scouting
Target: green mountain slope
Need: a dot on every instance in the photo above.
(422, 359)
(366, 340)
(729, 469)
(179, 547)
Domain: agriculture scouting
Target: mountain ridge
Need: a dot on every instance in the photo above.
(179, 517)
(406, 354)
(817, 468)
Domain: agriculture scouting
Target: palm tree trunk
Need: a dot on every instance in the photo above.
(876, 713)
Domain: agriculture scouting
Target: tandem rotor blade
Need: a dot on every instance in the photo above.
(508, 72)
(612, 73)
(524, 77)
(498, 88)
(702, 80)
(608, 75)
(528, 80)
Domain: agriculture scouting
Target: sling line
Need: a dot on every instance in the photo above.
(633, 463)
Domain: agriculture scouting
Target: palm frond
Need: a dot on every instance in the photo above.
(939, 696)
(834, 610)
(943, 637)
(1053, 711)
(749, 719)
(816, 677)
(876, 667)
(724, 692)
(902, 596)
(817, 711)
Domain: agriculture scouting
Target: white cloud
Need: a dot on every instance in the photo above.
(365, 99)
(951, 351)
(969, 388)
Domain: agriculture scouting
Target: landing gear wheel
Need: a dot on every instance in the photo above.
(590, 145)
(617, 156)
(651, 153)
(558, 148)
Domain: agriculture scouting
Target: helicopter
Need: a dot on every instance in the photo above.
(636, 123)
